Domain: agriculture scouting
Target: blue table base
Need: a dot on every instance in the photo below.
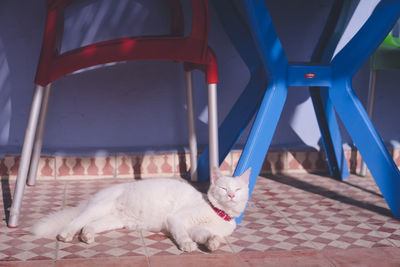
(250, 28)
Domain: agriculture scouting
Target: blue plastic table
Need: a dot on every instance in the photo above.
(251, 30)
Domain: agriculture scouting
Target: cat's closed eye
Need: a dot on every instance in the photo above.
(223, 188)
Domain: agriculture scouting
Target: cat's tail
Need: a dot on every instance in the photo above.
(51, 225)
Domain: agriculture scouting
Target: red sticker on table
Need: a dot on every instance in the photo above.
(310, 75)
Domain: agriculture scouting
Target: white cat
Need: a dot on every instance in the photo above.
(163, 204)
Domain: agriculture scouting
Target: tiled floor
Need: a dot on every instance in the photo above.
(291, 220)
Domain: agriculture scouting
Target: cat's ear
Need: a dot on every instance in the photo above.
(215, 174)
(246, 175)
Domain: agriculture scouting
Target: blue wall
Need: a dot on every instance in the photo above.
(140, 106)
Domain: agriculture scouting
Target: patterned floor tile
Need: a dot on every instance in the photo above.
(18, 247)
(285, 213)
(116, 243)
(343, 235)
(258, 237)
(160, 244)
(77, 191)
(18, 244)
(389, 230)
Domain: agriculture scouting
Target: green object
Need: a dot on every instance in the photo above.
(387, 56)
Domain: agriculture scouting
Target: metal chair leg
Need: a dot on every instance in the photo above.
(213, 124)
(370, 110)
(26, 156)
(236, 121)
(191, 126)
(37, 146)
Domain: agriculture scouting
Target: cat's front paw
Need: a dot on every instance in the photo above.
(188, 246)
(212, 243)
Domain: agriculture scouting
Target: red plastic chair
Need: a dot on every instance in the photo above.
(193, 50)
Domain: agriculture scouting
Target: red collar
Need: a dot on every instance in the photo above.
(222, 214)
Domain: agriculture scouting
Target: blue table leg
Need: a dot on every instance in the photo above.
(237, 120)
(368, 141)
(330, 133)
(261, 133)
(249, 101)
(328, 126)
(242, 40)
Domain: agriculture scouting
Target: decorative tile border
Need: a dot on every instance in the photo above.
(172, 164)
(81, 167)
(125, 166)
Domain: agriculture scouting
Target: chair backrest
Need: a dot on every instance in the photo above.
(387, 56)
(174, 46)
(391, 41)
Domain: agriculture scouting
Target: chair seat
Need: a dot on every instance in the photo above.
(386, 58)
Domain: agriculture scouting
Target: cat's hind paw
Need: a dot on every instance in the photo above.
(188, 246)
(88, 238)
(87, 235)
(64, 237)
(212, 243)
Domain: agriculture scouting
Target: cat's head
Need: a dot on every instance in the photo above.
(229, 194)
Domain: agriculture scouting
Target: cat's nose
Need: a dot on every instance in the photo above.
(231, 196)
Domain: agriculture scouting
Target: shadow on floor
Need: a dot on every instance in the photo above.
(302, 185)
(6, 191)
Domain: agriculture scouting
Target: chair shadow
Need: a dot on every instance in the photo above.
(7, 200)
(321, 164)
(363, 189)
(183, 167)
(137, 166)
(182, 164)
(322, 167)
(305, 186)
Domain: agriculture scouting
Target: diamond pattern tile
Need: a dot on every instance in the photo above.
(18, 244)
(296, 212)
(343, 236)
(160, 244)
(258, 237)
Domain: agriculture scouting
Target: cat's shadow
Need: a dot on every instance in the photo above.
(201, 247)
